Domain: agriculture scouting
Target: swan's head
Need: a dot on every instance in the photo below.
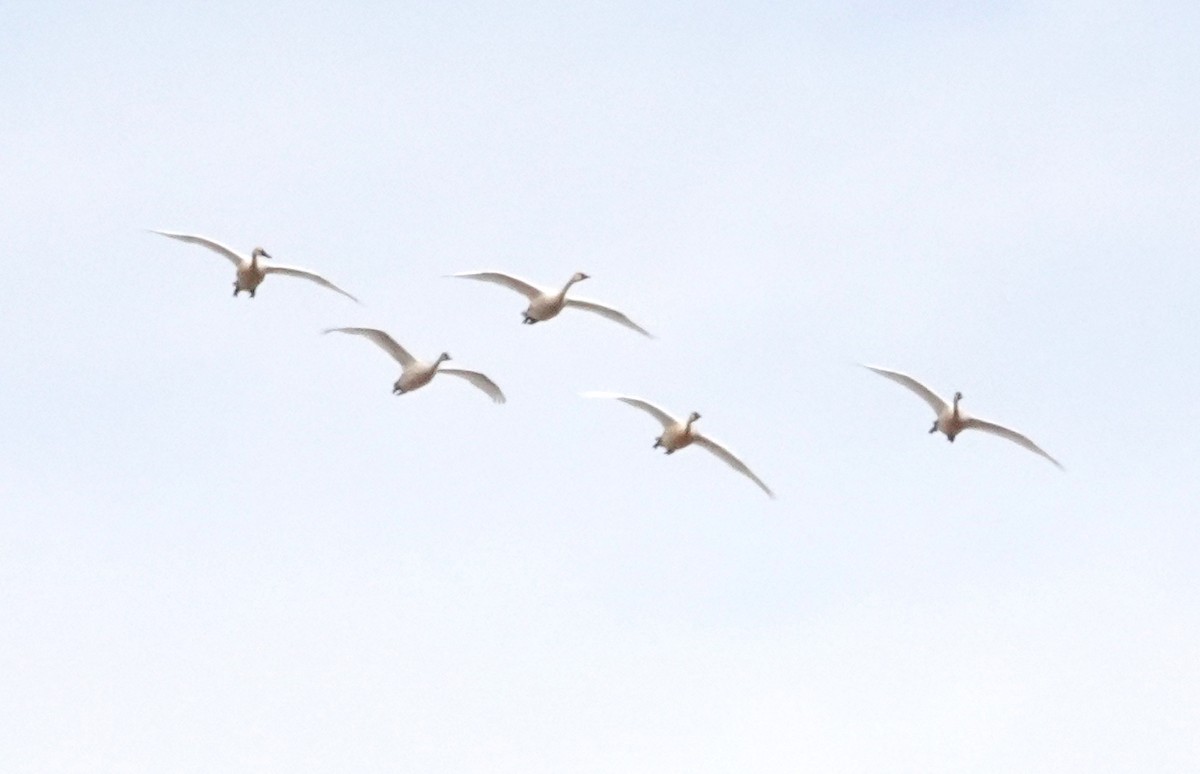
(693, 417)
(443, 356)
(579, 277)
(259, 253)
(957, 397)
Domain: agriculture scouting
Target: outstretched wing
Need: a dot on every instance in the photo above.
(211, 244)
(385, 342)
(479, 380)
(733, 461)
(665, 419)
(609, 312)
(1012, 435)
(924, 393)
(526, 289)
(312, 276)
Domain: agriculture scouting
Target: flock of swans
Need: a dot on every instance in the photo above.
(547, 303)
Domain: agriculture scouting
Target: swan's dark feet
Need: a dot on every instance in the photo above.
(670, 451)
(236, 290)
(933, 429)
(657, 443)
(252, 294)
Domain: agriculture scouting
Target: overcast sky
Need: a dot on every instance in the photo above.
(226, 546)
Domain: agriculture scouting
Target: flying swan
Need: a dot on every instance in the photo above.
(678, 434)
(951, 420)
(251, 273)
(417, 373)
(545, 304)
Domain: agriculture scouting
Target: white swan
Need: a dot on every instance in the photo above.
(545, 304)
(417, 373)
(251, 273)
(678, 434)
(951, 420)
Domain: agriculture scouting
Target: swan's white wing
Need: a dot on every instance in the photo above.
(733, 461)
(479, 380)
(1012, 435)
(609, 312)
(295, 271)
(665, 419)
(526, 289)
(215, 246)
(385, 342)
(929, 396)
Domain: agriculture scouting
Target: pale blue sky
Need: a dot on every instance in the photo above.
(225, 546)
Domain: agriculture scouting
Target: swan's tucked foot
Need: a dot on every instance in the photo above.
(950, 438)
(670, 451)
(236, 290)
(657, 442)
(933, 429)
(252, 294)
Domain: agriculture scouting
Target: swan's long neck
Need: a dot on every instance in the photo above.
(441, 359)
(563, 293)
(687, 428)
(957, 398)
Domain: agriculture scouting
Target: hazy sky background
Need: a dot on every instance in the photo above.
(225, 546)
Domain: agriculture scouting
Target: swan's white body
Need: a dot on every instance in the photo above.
(250, 272)
(678, 434)
(545, 303)
(952, 420)
(417, 373)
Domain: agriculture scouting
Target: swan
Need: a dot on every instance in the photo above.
(545, 303)
(677, 434)
(951, 420)
(417, 373)
(251, 273)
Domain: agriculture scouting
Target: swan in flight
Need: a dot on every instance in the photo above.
(545, 303)
(678, 434)
(951, 420)
(251, 273)
(417, 373)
